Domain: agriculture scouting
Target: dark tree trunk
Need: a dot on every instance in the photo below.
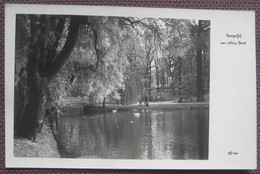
(157, 74)
(60, 60)
(162, 79)
(37, 75)
(157, 78)
(28, 123)
(21, 99)
(150, 83)
(180, 74)
(104, 103)
(142, 93)
(200, 89)
(149, 75)
(57, 37)
(172, 84)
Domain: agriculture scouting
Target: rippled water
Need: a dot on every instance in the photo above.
(154, 134)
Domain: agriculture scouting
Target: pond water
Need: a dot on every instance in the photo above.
(150, 134)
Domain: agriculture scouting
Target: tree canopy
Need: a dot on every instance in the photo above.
(114, 58)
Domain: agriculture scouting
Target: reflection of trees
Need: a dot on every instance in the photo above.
(147, 143)
(190, 136)
(178, 148)
(69, 137)
(155, 134)
(203, 135)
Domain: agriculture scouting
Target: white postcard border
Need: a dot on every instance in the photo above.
(232, 120)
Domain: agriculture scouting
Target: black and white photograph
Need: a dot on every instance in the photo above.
(111, 87)
(122, 86)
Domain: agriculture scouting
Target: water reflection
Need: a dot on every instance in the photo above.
(155, 134)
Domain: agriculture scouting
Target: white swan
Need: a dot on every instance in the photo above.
(137, 114)
(114, 110)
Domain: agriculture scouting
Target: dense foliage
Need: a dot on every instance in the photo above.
(105, 59)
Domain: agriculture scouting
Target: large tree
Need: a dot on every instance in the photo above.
(201, 35)
(176, 46)
(43, 62)
(56, 57)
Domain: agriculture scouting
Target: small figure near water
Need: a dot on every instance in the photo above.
(146, 101)
(180, 100)
(140, 103)
(158, 98)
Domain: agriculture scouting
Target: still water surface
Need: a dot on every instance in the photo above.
(154, 134)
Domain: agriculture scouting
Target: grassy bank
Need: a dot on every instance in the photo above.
(44, 147)
(162, 105)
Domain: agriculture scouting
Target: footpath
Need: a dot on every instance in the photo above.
(162, 105)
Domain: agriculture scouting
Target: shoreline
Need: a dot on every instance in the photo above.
(45, 145)
(161, 105)
(168, 105)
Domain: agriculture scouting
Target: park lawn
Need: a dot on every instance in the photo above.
(44, 147)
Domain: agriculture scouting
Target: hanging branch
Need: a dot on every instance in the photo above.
(67, 48)
(133, 22)
(95, 47)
